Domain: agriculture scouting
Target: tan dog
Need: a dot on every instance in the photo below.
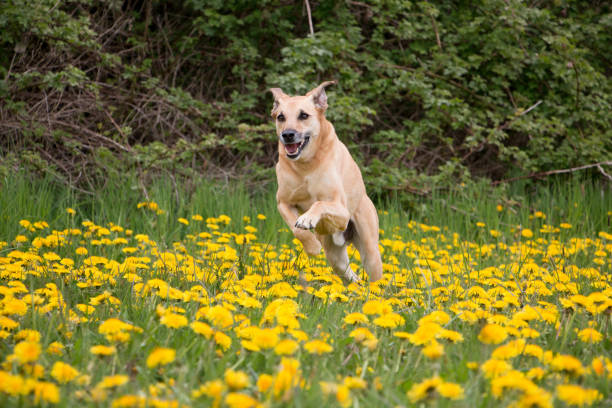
(320, 187)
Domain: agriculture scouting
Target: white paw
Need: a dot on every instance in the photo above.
(350, 276)
(306, 222)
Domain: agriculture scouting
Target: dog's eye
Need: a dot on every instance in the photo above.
(280, 118)
(303, 116)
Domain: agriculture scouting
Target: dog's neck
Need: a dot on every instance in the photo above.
(327, 137)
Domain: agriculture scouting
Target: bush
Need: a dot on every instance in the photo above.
(429, 94)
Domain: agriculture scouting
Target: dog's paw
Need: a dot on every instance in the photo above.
(350, 277)
(306, 222)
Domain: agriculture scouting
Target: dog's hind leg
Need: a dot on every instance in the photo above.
(338, 259)
(366, 238)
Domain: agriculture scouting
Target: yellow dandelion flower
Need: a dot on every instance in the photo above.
(424, 389)
(46, 391)
(265, 338)
(287, 378)
(223, 340)
(450, 335)
(576, 395)
(450, 390)
(63, 373)
(494, 368)
(361, 334)
(536, 373)
(249, 345)
(28, 335)
(379, 307)
(567, 364)
(286, 347)
(236, 380)
(356, 317)
(81, 251)
(355, 383)
(511, 380)
(212, 389)
(318, 347)
(202, 328)
(239, 400)
(425, 333)
(219, 316)
(535, 398)
(389, 320)
(433, 350)
(161, 356)
(102, 350)
(14, 306)
(27, 351)
(343, 396)
(590, 335)
(173, 320)
(55, 348)
(472, 365)
(371, 344)
(113, 381)
(264, 382)
(598, 365)
(492, 334)
(7, 323)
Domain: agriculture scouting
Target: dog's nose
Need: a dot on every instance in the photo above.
(289, 136)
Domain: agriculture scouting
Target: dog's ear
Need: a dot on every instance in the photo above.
(278, 95)
(319, 97)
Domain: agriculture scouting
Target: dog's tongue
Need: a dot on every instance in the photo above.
(292, 148)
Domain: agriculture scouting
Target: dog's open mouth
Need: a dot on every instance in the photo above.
(295, 149)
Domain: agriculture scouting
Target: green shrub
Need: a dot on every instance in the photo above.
(429, 94)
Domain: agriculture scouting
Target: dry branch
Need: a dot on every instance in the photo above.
(560, 171)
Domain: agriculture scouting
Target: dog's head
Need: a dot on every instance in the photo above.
(298, 120)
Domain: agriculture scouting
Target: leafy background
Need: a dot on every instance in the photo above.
(430, 94)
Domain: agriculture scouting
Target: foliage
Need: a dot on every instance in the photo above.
(430, 93)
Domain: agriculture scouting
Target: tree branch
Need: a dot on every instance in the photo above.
(309, 18)
(560, 171)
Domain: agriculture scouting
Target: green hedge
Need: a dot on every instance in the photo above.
(429, 94)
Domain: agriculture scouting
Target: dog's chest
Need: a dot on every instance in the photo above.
(305, 191)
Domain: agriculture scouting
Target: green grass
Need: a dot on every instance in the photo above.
(426, 270)
(584, 203)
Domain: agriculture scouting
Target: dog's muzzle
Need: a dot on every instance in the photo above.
(294, 142)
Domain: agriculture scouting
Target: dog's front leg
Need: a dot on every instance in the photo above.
(325, 217)
(311, 244)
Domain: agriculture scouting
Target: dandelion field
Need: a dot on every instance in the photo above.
(133, 302)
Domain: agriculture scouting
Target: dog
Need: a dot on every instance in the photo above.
(321, 194)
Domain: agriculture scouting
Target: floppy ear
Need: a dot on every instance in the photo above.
(318, 95)
(278, 95)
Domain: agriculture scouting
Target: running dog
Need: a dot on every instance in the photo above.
(321, 195)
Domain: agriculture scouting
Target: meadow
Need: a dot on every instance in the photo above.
(176, 297)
